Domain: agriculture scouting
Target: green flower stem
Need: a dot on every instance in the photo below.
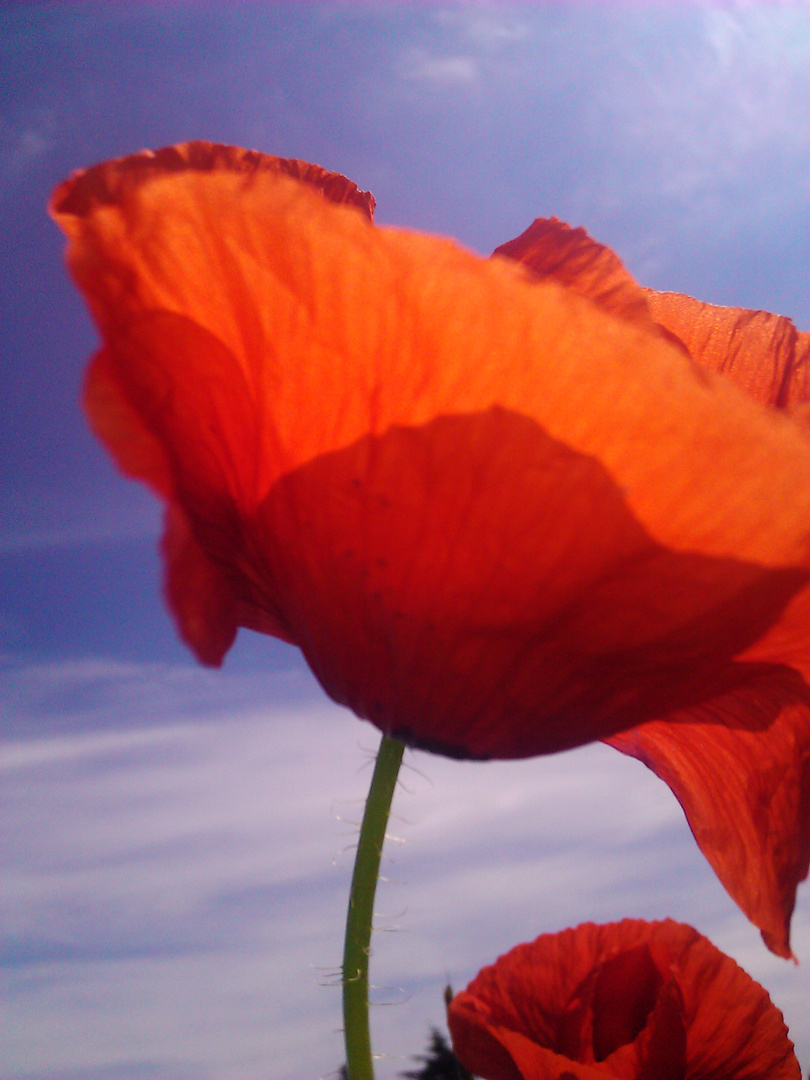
(361, 909)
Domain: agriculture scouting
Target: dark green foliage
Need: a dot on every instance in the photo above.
(439, 1063)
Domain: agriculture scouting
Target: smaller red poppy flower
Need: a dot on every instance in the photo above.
(630, 1001)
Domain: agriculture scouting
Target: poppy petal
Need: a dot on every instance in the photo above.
(113, 182)
(740, 768)
(316, 535)
(762, 353)
(451, 572)
(554, 250)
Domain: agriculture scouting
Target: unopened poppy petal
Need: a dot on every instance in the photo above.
(625, 1001)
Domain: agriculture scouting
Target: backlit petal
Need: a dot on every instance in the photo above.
(497, 519)
(763, 353)
(553, 250)
(740, 767)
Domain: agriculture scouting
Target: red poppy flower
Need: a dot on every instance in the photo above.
(629, 1001)
(500, 515)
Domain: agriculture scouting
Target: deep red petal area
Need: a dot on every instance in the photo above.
(624, 996)
(740, 767)
(679, 1010)
(552, 249)
(428, 594)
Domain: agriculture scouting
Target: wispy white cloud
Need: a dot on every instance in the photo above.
(715, 112)
(484, 24)
(39, 521)
(668, 131)
(25, 138)
(421, 66)
(467, 43)
(175, 888)
(466, 40)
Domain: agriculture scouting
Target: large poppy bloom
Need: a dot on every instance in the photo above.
(627, 1001)
(496, 503)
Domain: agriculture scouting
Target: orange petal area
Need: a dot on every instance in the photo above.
(497, 519)
(629, 1001)
(762, 862)
(798, 395)
(337, 330)
(762, 353)
(145, 420)
(740, 767)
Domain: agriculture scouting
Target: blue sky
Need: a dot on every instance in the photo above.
(178, 840)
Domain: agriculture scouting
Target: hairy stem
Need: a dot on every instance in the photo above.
(361, 908)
